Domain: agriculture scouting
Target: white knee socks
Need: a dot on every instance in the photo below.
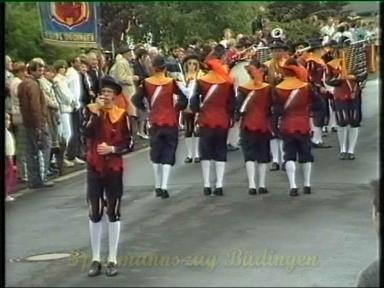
(197, 154)
(189, 144)
(157, 172)
(353, 133)
(95, 230)
(307, 167)
(290, 168)
(281, 147)
(113, 239)
(220, 168)
(342, 135)
(206, 169)
(261, 168)
(275, 150)
(250, 167)
(166, 169)
(317, 135)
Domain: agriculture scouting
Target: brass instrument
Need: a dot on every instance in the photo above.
(277, 33)
(354, 60)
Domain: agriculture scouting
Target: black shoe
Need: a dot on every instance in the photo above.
(51, 172)
(252, 191)
(275, 167)
(321, 145)
(293, 192)
(343, 156)
(231, 148)
(188, 160)
(307, 190)
(283, 166)
(158, 192)
(164, 194)
(54, 166)
(45, 184)
(94, 269)
(111, 269)
(334, 129)
(263, 190)
(207, 191)
(325, 129)
(197, 160)
(350, 156)
(218, 192)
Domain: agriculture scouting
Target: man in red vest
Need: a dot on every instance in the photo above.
(161, 96)
(293, 103)
(253, 107)
(215, 104)
(107, 134)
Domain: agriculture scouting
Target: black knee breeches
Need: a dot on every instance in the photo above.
(112, 185)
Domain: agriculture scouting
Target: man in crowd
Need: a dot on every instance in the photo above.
(34, 113)
(74, 80)
(141, 68)
(123, 73)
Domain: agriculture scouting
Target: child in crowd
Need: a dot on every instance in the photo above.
(10, 168)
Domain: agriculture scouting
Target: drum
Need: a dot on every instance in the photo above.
(239, 74)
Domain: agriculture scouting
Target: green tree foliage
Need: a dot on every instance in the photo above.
(176, 22)
(172, 23)
(286, 11)
(23, 35)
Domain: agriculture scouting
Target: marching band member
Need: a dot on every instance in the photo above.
(253, 105)
(328, 56)
(316, 69)
(301, 51)
(292, 105)
(191, 67)
(157, 94)
(279, 51)
(214, 103)
(107, 133)
(347, 101)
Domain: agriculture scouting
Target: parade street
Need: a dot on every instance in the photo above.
(322, 239)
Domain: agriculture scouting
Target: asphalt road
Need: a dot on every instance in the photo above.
(323, 239)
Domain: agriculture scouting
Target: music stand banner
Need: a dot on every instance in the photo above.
(70, 23)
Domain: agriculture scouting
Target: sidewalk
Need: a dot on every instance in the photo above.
(139, 144)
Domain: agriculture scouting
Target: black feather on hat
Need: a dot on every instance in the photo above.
(110, 82)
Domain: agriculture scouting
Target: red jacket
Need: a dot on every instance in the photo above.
(345, 90)
(163, 99)
(295, 109)
(215, 102)
(254, 105)
(113, 131)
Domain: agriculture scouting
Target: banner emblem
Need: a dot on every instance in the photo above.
(70, 14)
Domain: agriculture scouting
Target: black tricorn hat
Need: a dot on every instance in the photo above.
(190, 57)
(300, 43)
(124, 49)
(159, 62)
(278, 44)
(110, 82)
(315, 44)
(244, 42)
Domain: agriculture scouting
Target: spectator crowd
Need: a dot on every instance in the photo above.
(44, 101)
